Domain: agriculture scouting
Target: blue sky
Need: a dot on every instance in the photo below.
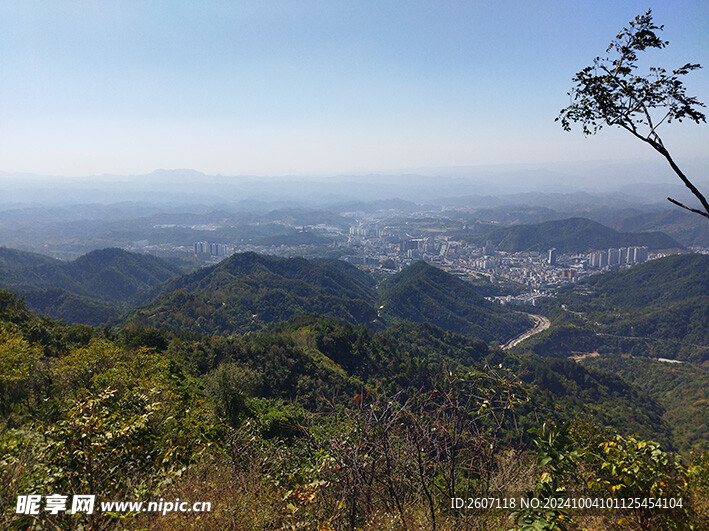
(315, 87)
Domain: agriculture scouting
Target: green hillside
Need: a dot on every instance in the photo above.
(113, 275)
(92, 289)
(573, 235)
(681, 388)
(62, 304)
(656, 309)
(424, 294)
(304, 421)
(659, 282)
(16, 259)
(685, 227)
(662, 299)
(247, 291)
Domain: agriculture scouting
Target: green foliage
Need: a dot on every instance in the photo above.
(573, 235)
(230, 386)
(613, 93)
(62, 304)
(659, 308)
(19, 361)
(659, 282)
(563, 389)
(114, 422)
(635, 467)
(140, 336)
(681, 388)
(93, 289)
(279, 419)
(247, 291)
(344, 426)
(558, 457)
(630, 467)
(422, 293)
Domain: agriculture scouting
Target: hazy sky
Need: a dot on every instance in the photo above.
(315, 87)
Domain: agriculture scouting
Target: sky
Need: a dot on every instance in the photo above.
(272, 88)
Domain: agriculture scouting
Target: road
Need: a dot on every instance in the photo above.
(540, 324)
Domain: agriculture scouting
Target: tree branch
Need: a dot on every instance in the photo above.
(688, 208)
(687, 182)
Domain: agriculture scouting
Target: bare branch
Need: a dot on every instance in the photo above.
(688, 208)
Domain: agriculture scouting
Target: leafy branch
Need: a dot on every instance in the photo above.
(612, 93)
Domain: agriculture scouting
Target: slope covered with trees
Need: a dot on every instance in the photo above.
(317, 423)
(16, 259)
(92, 289)
(247, 291)
(681, 388)
(573, 235)
(112, 275)
(662, 299)
(423, 293)
(659, 309)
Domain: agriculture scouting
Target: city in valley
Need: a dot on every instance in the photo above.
(452, 240)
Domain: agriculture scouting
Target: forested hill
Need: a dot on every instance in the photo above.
(656, 309)
(309, 358)
(665, 299)
(92, 289)
(248, 290)
(664, 281)
(113, 275)
(16, 259)
(424, 294)
(574, 235)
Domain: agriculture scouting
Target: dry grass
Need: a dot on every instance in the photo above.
(241, 501)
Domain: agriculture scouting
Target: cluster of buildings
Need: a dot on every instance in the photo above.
(390, 240)
(372, 244)
(617, 257)
(212, 249)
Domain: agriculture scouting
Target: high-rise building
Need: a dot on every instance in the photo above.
(640, 254)
(598, 259)
(552, 256)
(630, 256)
(613, 256)
(210, 248)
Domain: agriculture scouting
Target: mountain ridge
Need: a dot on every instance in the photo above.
(573, 235)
